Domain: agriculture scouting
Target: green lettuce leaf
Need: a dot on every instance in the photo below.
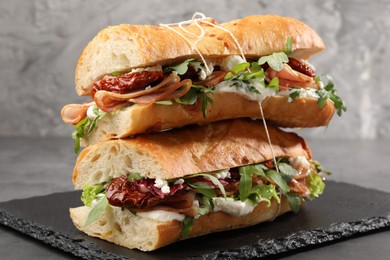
(317, 186)
(264, 193)
(90, 192)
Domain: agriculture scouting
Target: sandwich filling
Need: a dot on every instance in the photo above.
(236, 191)
(192, 84)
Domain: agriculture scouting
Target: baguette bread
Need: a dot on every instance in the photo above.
(137, 119)
(180, 152)
(125, 47)
(126, 229)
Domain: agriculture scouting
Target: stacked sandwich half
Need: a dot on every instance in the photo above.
(181, 134)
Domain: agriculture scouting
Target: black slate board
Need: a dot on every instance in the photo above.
(342, 212)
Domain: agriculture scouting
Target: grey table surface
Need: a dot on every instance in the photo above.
(40, 166)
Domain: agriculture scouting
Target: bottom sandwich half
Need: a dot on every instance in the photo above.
(152, 190)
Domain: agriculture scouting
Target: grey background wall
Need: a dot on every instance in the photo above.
(40, 41)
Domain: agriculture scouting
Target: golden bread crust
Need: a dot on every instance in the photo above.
(180, 152)
(113, 226)
(138, 119)
(124, 47)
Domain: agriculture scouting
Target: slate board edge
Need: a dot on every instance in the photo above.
(78, 247)
(87, 250)
(302, 239)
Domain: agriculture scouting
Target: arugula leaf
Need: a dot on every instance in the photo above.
(99, 114)
(240, 67)
(181, 68)
(275, 60)
(85, 126)
(264, 193)
(245, 72)
(328, 92)
(186, 226)
(189, 98)
(278, 179)
(134, 176)
(97, 210)
(293, 95)
(317, 186)
(293, 201)
(90, 192)
(246, 172)
(204, 188)
(254, 90)
(205, 101)
(211, 178)
(197, 92)
(245, 187)
(287, 169)
(257, 169)
(274, 84)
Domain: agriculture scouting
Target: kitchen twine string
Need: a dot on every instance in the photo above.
(196, 19)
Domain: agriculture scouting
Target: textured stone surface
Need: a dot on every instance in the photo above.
(40, 41)
(344, 212)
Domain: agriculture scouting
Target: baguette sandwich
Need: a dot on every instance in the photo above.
(152, 190)
(143, 78)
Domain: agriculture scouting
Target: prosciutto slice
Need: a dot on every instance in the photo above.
(74, 113)
(170, 88)
(289, 78)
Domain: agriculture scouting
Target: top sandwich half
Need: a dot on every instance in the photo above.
(144, 78)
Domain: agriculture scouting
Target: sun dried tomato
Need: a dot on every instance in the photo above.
(301, 67)
(121, 192)
(126, 83)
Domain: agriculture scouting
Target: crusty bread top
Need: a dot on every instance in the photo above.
(123, 47)
(180, 152)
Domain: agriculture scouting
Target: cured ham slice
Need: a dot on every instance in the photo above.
(170, 88)
(289, 78)
(74, 113)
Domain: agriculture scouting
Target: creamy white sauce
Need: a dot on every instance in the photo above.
(303, 92)
(203, 73)
(163, 185)
(230, 62)
(243, 89)
(90, 114)
(161, 215)
(233, 207)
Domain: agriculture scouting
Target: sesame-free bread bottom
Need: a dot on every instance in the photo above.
(126, 229)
